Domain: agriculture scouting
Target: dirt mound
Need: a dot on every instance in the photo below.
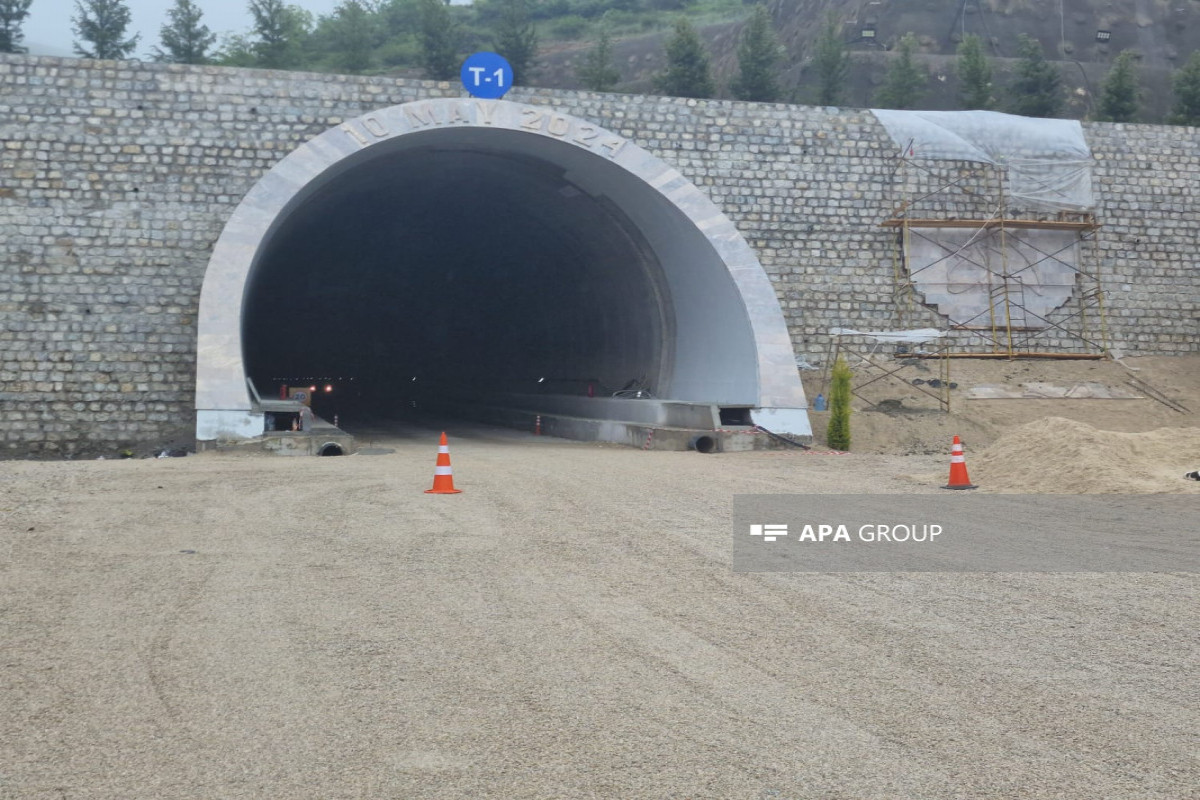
(1061, 456)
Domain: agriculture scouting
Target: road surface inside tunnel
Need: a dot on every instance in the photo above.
(375, 435)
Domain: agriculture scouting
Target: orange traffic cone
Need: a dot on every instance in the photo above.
(958, 468)
(443, 476)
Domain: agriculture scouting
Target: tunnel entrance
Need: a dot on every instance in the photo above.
(445, 274)
(488, 258)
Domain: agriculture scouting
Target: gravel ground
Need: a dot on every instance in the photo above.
(225, 626)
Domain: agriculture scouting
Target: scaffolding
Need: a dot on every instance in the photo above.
(844, 342)
(990, 228)
(991, 217)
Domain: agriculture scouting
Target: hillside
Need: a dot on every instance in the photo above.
(1163, 34)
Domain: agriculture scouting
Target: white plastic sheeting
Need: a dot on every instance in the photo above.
(975, 277)
(1048, 162)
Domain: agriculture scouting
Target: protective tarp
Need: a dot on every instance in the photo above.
(976, 277)
(1048, 162)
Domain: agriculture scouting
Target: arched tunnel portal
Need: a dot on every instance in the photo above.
(483, 257)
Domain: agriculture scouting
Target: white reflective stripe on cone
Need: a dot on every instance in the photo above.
(442, 471)
(443, 448)
(957, 460)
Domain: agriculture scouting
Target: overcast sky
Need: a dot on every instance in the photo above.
(48, 30)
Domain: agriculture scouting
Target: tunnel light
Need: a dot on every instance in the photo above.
(312, 388)
(541, 380)
(328, 388)
(414, 378)
(1103, 36)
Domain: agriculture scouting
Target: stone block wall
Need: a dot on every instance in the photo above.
(116, 178)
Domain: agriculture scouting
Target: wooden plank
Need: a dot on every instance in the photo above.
(1016, 355)
(1034, 224)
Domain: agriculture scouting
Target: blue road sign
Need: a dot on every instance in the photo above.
(486, 75)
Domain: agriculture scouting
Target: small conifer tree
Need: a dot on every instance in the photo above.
(100, 26)
(758, 53)
(1036, 90)
(688, 73)
(438, 39)
(516, 39)
(185, 39)
(832, 62)
(1186, 85)
(838, 433)
(1120, 96)
(12, 13)
(975, 74)
(597, 72)
(905, 80)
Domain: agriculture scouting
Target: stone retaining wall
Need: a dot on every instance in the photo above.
(116, 178)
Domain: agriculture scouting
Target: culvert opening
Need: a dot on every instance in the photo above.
(704, 444)
(331, 449)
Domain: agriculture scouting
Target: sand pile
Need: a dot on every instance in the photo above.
(1061, 456)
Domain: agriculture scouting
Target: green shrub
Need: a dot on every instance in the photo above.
(838, 434)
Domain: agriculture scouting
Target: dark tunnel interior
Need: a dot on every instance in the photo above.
(454, 273)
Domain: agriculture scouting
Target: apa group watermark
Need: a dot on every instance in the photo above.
(877, 532)
(976, 533)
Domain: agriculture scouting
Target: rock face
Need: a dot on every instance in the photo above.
(113, 194)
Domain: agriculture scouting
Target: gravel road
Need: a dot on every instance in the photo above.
(227, 626)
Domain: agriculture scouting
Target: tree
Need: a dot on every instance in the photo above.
(831, 61)
(184, 39)
(101, 24)
(758, 53)
(1120, 94)
(235, 50)
(12, 14)
(597, 71)
(516, 39)
(837, 435)
(438, 41)
(974, 74)
(1186, 85)
(688, 73)
(353, 34)
(1036, 90)
(399, 17)
(905, 80)
(280, 30)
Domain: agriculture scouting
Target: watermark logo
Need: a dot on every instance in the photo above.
(988, 533)
(769, 533)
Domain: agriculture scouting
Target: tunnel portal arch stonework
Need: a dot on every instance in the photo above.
(751, 347)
